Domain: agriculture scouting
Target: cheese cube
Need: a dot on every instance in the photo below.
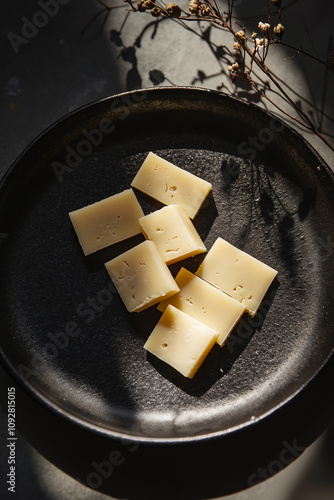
(173, 232)
(181, 341)
(205, 303)
(236, 273)
(171, 185)
(107, 221)
(141, 277)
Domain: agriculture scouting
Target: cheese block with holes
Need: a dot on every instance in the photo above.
(141, 277)
(237, 273)
(173, 232)
(181, 341)
(171, 184)
(205, 303)
(107, 221)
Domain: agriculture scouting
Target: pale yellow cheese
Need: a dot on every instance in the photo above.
(181, 341)
(173, 232)
(237, 273)
(205, 303)
(107, 221)
(141, 277)
(171, 185)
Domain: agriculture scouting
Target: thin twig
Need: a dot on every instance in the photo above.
(308, 124)
(208, 11)
(300, 50)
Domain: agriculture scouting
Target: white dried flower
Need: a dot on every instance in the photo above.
(264, 27)
(279, 30)
(260, 43)
(204, 10)
(233, 68)
(194, 6)
(241, 36)
(237, 46)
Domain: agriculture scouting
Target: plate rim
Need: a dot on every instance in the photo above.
(203, 90)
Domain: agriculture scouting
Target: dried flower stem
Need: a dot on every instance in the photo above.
(248, 55)
(307, 123)
(106, 9)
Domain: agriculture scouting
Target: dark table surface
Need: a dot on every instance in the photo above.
(61, 66)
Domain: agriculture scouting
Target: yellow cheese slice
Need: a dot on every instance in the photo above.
(181, 341)
(205, 303)
(237, 273)
(173, 232)
(141, 277)
(171, 185)
(107, 221)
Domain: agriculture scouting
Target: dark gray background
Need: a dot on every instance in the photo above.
(59, 70)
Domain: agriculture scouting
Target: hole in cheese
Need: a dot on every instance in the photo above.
(238, 287)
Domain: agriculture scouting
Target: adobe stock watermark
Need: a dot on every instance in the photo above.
(263, 476)
(104, 469)
(260, 141)
(11, 439)
(87, 311)
(91, 139)
(230, 170)
(246, 326)
(30, 27)
(249, 149)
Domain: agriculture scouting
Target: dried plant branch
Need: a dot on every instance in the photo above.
(300, 50)
(250, 51)
(105, 10)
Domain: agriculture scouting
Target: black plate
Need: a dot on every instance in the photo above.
(65, 334)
